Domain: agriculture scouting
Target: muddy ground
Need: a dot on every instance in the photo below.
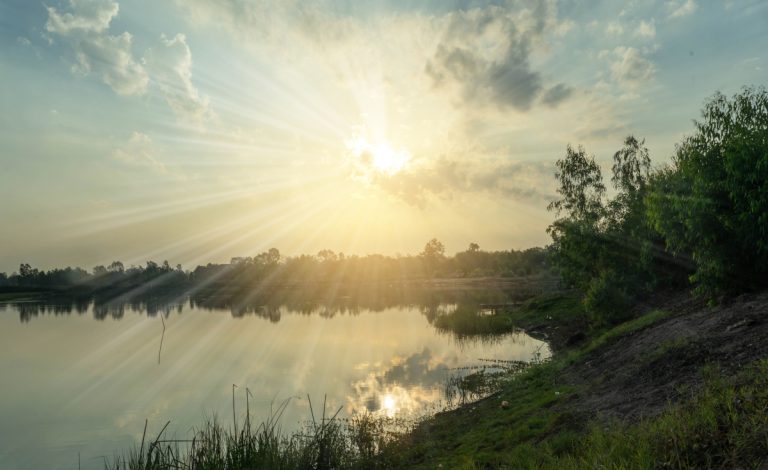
(640, 373)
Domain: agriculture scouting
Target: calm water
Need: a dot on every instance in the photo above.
(79, 378)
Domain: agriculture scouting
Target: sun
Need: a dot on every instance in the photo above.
(389, 405)
(387, 160)
(379, 157)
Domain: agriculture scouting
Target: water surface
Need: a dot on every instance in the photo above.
(80, 378)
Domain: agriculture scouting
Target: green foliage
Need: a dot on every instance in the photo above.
(622, 329)
(724, 426)
(631, 166)
(468, 322)
(607, 250)
(705, 217)
(712, 204)
(606, 299)
(581, 186)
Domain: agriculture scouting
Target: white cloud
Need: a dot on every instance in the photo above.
(564, 27)
(170, 66)
(614, 28)
(86, 16)
(630, 69)
(84, 29)
(139, 151)
(681, 9)
(646, 29)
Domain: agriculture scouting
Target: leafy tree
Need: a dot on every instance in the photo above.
(712, 204)
(581, 186)
(631, 166)
(433, 249)
(575, 235)
(116, 267)
(433, 255)
(608, 250)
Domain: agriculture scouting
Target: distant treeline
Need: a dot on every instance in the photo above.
(702, 219)
(272, 304)
(271, 268)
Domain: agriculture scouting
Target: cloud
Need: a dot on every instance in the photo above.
(84, 28)
(614, 28)
(646, 29)
(681, 9)
(630, 69)
(556, 95)
(481, 54)
(170, 66)
(446, 177)
(269, 22)
(486, 53)
(139, 151)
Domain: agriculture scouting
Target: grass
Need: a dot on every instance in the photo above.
(485, 434)
(725, 425)
(7, 296)
(626, 328)
(546, 310)
(362, 442)
(466, 322)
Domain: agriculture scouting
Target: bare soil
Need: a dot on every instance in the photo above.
(639, 374)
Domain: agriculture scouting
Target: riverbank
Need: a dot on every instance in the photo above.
(682, 385)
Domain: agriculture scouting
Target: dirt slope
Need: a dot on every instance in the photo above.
(641, 372)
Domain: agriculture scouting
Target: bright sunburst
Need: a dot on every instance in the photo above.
(380, 157)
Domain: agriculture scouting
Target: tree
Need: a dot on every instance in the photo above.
(326, 256)
(575, 235)
(712, 203)
(25, 270)
(631, 166)
(116, 267)
(433, 249)
(581, 186)
(606, 250)
(433, 255)
(473, 247)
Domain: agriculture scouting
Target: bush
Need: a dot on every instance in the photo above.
(606, 300)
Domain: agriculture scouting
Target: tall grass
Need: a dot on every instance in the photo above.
(328, 441)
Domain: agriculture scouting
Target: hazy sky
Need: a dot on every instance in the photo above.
(199, 130)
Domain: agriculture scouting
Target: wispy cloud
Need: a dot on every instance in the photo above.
(448, 177)
(139, 151)
(170, 66)
(646, 29)
(679, 9)
(85, 29)
(630, 69)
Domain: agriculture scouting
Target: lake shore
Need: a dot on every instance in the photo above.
(657, 391)
(681, 385)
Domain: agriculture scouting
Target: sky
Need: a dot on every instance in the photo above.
(200, 130)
